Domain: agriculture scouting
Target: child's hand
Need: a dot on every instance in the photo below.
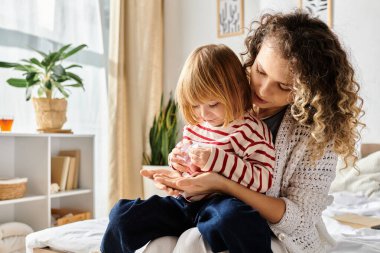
(176, 160)
(199, 156)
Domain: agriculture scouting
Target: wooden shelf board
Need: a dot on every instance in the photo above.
(27, 198)
(70, 193)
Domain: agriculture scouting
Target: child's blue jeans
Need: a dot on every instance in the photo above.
(226, 223)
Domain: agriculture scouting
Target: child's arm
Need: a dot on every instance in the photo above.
(251, 161)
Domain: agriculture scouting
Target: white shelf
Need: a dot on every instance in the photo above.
(70, 193)
(23, 199)
(29, 155)
(39, 135)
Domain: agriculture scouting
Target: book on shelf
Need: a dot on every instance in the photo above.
(71, 174)
(74, 153)
(60, 166)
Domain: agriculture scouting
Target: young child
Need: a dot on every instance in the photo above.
(215, 99)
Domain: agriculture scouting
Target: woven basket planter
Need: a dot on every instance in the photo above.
(50, 113)
(13, 188)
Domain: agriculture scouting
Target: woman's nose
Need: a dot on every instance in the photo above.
(264, 89)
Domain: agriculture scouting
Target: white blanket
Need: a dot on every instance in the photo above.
(351, 240)
(365, 178)
(78, 237)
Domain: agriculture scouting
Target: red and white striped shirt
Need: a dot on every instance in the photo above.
(242, 151)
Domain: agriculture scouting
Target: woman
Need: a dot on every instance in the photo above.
(304, 89)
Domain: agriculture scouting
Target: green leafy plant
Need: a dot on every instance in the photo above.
(47, 74)
(163, 134)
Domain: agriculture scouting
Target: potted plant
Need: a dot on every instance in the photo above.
(51, 80)
(162, 139)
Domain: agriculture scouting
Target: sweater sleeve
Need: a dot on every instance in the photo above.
(306, 195)
(252, 160)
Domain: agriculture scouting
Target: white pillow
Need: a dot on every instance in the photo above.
(365, 179)
(12, 236)
(14, 229)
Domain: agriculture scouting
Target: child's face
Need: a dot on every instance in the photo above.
(212, 112)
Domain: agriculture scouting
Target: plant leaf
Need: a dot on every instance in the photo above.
(73, 66)
(60, 88)
(50, 60)
(74, 76)
(26, 68)
(41, 53)
(40, 91)
(7, 64)
(16, 82)
(73, 51)
(58, 70)
(76, 85)
(163, 133)
(63, 49)
(48, 85)
(28, 93)
(36, 62)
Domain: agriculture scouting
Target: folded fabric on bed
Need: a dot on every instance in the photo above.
(350, 240)
(79, 237)
(366, 178)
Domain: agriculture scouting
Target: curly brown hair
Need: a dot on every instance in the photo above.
(325, 92)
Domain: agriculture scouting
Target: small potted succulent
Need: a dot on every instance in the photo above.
(51, 80)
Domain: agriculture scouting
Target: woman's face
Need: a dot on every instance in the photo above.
(271, 79)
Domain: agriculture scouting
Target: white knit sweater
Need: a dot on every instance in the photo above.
(304, 187)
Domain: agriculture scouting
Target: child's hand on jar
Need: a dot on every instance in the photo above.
(199, 156)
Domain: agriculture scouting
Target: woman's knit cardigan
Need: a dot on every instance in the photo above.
(304, 186)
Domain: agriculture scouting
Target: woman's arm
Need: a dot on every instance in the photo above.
(270, 208)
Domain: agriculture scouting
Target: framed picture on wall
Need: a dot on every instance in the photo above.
(318, 8)
(230, 15)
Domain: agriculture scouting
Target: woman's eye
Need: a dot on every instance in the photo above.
(258, 71)
(284, 87)
(195, 106)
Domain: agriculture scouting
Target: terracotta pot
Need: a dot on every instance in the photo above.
(50, 113)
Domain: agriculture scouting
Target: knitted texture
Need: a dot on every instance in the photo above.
(304, 186)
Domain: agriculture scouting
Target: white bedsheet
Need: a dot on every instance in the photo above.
(78, 237)
(85, 236)
(351, 240)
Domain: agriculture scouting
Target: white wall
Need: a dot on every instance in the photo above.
(191, 23)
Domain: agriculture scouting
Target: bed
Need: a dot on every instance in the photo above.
(353, 192)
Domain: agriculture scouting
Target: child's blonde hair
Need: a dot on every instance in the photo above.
(213, 72)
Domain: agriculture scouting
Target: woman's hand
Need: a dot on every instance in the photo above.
(168, 173)
(203, 183)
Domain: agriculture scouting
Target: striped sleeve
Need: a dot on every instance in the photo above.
(252, 162)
